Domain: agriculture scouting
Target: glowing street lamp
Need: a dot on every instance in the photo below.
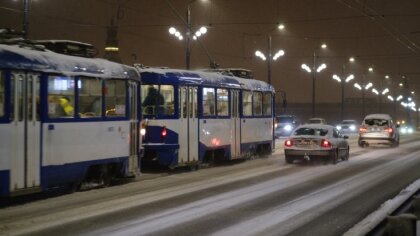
(314, 70)
(338, 79)
(270, 58)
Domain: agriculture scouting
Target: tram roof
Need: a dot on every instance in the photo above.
(191, 77)
(27, 58)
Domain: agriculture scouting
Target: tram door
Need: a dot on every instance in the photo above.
(26, 163)
(133, 162)
(188, 129)
(235, 125)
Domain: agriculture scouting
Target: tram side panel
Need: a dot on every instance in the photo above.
(69, 149)
(256, 133)
(215, 135)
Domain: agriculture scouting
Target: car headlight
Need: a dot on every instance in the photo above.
(410, 130)
(352, 127)
(338, 127)
(288, 127)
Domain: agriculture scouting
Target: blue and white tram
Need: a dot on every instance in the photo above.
(193, 117)
(64, 119)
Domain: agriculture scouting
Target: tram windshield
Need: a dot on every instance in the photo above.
(158, 99)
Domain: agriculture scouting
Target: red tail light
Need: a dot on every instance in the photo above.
(362, 129)
(325, 143)
(389, 130)
(164, 132)
(288, 143)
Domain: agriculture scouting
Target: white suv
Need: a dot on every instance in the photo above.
(378, 129)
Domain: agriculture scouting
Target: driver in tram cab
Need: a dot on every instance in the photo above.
(153, 98)
(66, 105)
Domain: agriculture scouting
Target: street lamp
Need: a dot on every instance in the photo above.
(338, 79)
(270, 56)
(188, 34)
(314, 70)
(363, 87)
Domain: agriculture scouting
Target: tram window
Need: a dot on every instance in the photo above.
(60, 96)
(115, 98)
(267, 99)
(168, 106)
(90, 97)
(150, 98)
(2, 93)
(208, 102)
(257, 100)
(183, 102)
(247, 103)
(222, 102)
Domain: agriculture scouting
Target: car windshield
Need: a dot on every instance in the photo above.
(310, 131)
(348, 122)
(285, 119)
(378, 122)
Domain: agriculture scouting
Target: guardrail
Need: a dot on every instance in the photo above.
(398, 216)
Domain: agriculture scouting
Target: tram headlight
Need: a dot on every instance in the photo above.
(143, 131)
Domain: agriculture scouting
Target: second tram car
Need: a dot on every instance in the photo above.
(64, 119)
(193, 117)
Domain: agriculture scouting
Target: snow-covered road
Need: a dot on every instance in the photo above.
(257, 197)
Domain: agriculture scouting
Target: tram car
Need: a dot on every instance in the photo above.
(64, 119)
(195, 117)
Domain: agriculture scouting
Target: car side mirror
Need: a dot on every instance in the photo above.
(345, 137)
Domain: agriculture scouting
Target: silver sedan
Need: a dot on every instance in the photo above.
(323, 142)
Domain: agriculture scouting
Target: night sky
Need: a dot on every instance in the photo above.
(378, 33)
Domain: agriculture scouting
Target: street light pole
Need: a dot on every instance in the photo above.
(188, 39)
(25, 24)
(342, 91)
(269, 59)
(313, 83)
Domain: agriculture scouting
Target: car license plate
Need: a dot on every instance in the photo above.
(306, 142)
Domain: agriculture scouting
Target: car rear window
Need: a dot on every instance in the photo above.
(315, 121)
(285, 119)
(377, 122)
(311, 131)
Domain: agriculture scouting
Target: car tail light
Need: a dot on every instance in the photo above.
(325, 143)
(362, 129)
(389, 130)
(288, 143)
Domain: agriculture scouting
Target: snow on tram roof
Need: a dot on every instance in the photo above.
(206, 78)
(16, 57)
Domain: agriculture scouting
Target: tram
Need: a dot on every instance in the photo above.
(195, 117)
(65, 119)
